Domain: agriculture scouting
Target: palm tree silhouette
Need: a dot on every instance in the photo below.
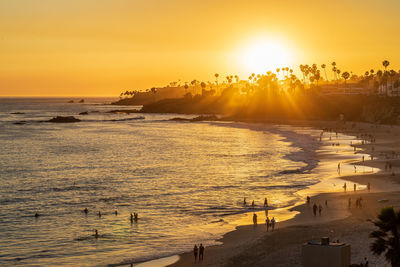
(387, 237)
(323, 66)
(385, 63)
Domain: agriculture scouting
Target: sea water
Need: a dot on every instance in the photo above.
(184, 179)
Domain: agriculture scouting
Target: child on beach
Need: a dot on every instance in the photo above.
(255, 219)
(273, 223)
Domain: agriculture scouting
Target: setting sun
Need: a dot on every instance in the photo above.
(263, 55)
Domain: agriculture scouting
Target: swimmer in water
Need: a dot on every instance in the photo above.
(96, 233)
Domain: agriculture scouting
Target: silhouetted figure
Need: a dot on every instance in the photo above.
(116, 213)
(362, 158)
(86, 211)
(355, 169)
(37, 215)
(255, 219)
(349, 203)
(326, 202)
(267, 223)
(99, 214)
(345, 187)
(195, 251)
(308, 200)
(315, 209)
(252, 204)
(355, 187)
(369, 187)
(135, 216)
(96, 233)
(244, 201)
(201, 252)
(265, 202)
(272, 224)
(338, 168)
(319, 209)
(366, 262)
(131, 218)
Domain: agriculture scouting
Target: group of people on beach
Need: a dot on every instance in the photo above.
(316, 208)
(269, 223)
(198, 251)
(253, 203)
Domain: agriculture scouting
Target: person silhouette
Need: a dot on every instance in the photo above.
(273, 224)
(195, 251)
(267, 222)
(255, 219)
(201, 252)
(96, 233)
(265, 202)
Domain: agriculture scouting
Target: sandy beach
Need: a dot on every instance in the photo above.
(252, 245)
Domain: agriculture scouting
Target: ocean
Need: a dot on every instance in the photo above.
(186, 180)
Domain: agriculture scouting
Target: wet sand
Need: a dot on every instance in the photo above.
(252, 245)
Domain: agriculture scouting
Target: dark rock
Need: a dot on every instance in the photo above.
(82, 101)
(16, 113)
(19, 122)
(61, 119)
(71, 101)
(84, 113)
(123, 111)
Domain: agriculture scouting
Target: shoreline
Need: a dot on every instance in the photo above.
(247, 235)
(288, 212)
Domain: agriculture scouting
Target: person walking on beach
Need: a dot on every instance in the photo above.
(195, 250)
(369, 187)
(349, 205)
(265, 202)
(252, 204)
(338, 168)
(244, 201)
(319, 209)
(345, 187)
(255, 219)
(272, 224)
(201, 252)
(315, 209)
(355, 187)
(308, 200)
(267, 222)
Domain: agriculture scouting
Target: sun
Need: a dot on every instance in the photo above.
(263, 55)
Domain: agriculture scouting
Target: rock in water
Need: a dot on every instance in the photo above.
(61, 119)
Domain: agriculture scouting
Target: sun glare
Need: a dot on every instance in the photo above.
(263, 55)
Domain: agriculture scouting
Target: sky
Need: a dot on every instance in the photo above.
(101, 47)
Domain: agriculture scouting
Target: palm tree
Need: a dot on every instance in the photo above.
(387, 237)
(324, 66)
(277, 71)
(385, 63)
(345, 76)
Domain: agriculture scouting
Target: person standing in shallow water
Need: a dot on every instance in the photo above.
(195, 250)
(201, 252)
(255, 219)
(265, 202)
(267, 223)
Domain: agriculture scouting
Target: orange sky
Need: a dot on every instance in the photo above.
(99, 47)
